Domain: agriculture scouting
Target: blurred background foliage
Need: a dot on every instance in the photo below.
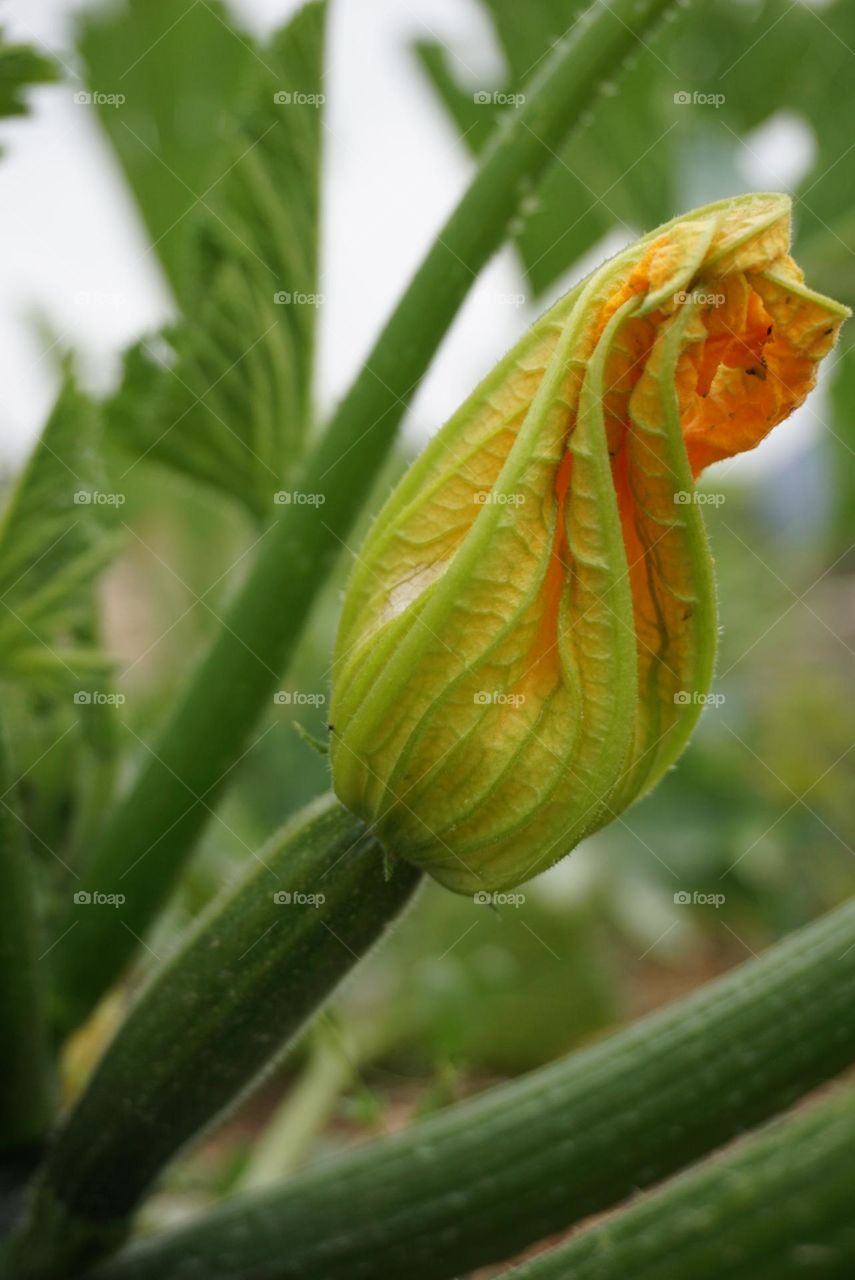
(759, 808)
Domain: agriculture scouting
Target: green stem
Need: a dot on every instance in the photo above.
(483, 1180)
(26, 1097)
(151, 832)
(777, 1207)
(258, 964)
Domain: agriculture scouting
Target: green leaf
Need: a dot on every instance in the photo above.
(597, 182)
(230, 404)
(55, 537)
(65, 759)
(20, 67)
(709, 80)
(178, 65)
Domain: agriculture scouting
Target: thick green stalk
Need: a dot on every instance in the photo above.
(26, 1096)
(253, 970)
(152, 830)
(777, 1207)
(484, 1179)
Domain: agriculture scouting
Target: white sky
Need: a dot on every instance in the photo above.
(75, 254)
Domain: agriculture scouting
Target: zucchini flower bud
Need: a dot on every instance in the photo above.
(528, 635)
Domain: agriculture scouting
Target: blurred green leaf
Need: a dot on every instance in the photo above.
(20, 67)
(57, 533)
(55, 537)
(598, 182)
(178, 66)
(229, 401)
(493, 990)
(714, 76)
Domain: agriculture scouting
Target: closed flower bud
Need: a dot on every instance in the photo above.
(529, 632)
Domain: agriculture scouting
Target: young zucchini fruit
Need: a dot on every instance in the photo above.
(258, 964)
